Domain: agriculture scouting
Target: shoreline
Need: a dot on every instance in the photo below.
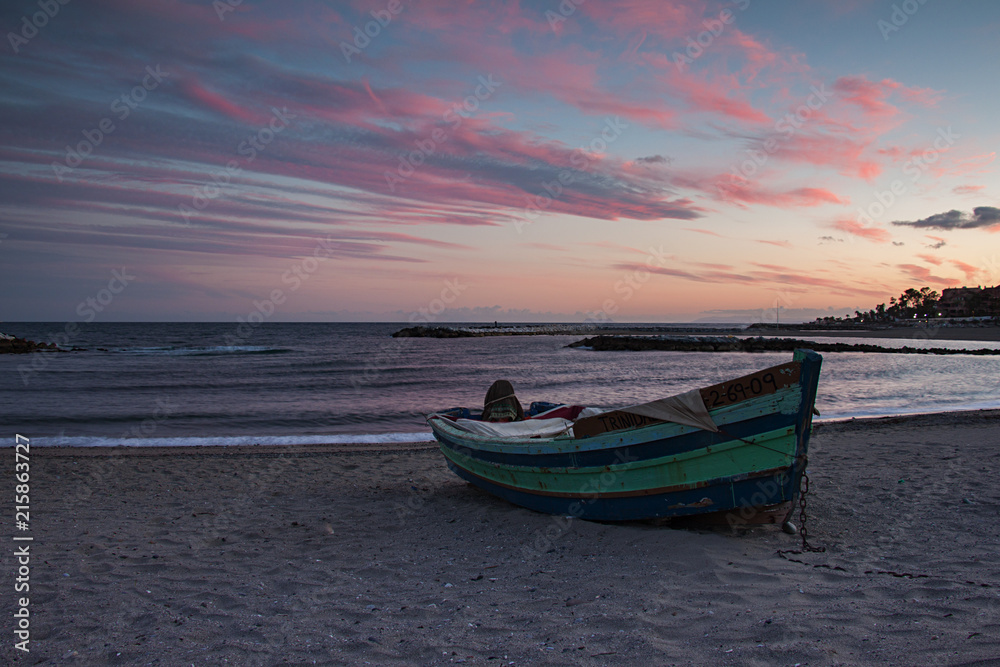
(335, 449)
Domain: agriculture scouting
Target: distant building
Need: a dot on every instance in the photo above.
(969, 301)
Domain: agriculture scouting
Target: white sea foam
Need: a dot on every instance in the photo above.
(902, 411)
(232, 441)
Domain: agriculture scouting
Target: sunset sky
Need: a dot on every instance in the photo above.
(534, 161)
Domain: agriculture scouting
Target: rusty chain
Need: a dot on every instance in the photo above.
(803, 528)
(803, 517)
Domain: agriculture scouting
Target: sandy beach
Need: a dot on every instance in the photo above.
(318, 555)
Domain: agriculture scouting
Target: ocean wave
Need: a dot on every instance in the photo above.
(232, 441)
(201, 351)
(898, 411)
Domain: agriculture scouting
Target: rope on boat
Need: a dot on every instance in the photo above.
(750, 442)
(500, 399)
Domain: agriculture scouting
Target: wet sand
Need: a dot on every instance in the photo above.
(265, 555)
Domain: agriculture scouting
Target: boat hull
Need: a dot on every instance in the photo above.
(658, 470)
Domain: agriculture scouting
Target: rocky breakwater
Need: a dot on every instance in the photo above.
(14, 345)
(759, 344)
(669, 343)
(434, 332)
(483, 330)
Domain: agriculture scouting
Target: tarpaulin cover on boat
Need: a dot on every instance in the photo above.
(523, 429)
(687, 408)
(528, 428)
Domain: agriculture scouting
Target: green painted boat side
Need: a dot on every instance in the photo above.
(762, 452)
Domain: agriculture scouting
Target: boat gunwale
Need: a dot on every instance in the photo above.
(759, 406)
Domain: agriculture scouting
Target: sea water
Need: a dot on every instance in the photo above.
(300, 383)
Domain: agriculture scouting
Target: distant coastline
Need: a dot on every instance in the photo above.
(751, 344)
(919, 330)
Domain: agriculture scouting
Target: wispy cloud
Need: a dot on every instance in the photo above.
(923, 276)
(771, 277)
(855, 228)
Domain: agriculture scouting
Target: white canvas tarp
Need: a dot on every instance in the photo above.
(529, 428)
(522, 429)
(687, 408)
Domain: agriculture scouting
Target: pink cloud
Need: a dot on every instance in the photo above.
(959, 165)
(970, 271)
(845, 153)
(855, 228)
(924, 276)
(871, 96)
(742, 191)
(844, 130)
(667, 21)
(216, 102)
(967, 189)
(776, 276)
(704, 231)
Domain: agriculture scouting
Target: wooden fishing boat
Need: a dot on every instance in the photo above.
(738, 447)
